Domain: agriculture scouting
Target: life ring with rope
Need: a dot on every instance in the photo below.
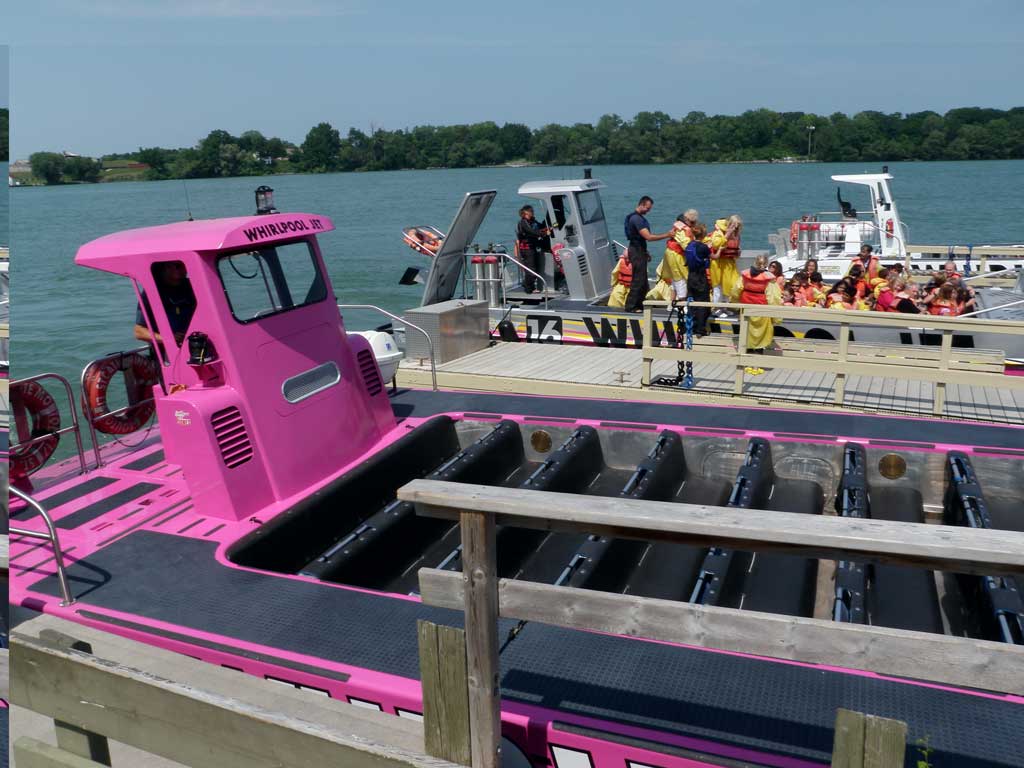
(31, 398)
(144, 375)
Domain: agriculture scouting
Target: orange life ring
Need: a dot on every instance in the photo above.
(45, 416)
(96, 380)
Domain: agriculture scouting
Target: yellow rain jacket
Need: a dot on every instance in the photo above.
(617, 298)
(671, 271)
(724, 273)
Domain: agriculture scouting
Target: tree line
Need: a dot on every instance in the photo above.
(970, 133)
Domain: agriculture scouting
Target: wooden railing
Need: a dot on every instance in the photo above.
(484, 597)
(97, 686)
(940, 365)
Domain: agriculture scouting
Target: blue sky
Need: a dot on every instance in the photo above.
(113, 75)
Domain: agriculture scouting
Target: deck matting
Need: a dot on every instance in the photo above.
(423, 403)
(4, 735)
(755, 704)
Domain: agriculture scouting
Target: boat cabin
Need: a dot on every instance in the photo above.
(580, 237)
(261, 394)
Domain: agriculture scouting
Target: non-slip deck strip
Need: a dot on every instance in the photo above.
(101, 507)
(77, 491)
(780, 708)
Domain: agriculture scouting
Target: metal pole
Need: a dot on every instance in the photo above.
(58, 556)
(430, 342)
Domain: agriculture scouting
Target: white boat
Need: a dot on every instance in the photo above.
(835, 237)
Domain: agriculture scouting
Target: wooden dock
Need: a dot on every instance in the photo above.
(583, 371)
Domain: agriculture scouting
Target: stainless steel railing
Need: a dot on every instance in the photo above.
(51, 536)
(90, 417)
(430, 342)
(74, 428)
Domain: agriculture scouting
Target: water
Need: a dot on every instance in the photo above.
(4, 206)
(64, 316)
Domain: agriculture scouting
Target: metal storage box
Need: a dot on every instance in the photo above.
(457, 328)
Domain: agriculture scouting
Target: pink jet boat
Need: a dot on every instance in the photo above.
(255, 524)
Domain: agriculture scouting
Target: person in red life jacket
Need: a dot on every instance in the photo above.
(859, 282)
(906, 296)
(944, 303)
(810, 267)
(866, 260)
(794, 230)
(775, 268)
(949, 270)
(759, 287)
(885, 298)
(638, 234)
(530, 241)
(964, 300)
(622, 279)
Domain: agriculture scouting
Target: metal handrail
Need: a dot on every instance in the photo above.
(58, 555)
(992, 309)
(430, 342)
(64, 430)
(87, 411)
(543, 282)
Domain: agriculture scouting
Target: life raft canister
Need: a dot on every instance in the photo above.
(45, 421)
(139, 385)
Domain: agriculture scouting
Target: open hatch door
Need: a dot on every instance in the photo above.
(446, 267)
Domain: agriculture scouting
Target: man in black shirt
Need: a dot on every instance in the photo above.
(638, 234)
(531, 237)
(177, 298)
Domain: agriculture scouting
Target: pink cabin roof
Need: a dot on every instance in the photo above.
(116, 252)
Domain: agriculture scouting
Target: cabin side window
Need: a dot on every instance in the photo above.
(271, 280)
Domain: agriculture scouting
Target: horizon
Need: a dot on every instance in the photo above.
(285, 69)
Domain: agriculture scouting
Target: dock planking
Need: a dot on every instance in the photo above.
(540, 368)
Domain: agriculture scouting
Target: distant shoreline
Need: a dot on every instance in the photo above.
(24, 180)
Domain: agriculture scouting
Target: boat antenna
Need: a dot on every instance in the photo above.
(188, 203)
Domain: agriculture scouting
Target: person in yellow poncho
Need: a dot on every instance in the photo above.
(759, 287)
(725, 243)
(622, 279)
(672, 272)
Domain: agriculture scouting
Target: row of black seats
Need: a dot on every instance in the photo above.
(998, 607)
(357, 558)
(766, 581)
(877, 593)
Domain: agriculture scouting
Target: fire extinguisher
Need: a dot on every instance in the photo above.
(888, 228)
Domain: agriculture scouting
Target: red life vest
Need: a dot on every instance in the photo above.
(942, 307)
(886, 301)
(754, 287)
(625, 271)
(731, 249)
(674, 246)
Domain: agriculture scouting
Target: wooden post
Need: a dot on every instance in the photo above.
(71, 738)
(741, 351)
(844, 346)
(445, 692)
(645, 374)
(479, 573)
(940, 386)
(866, 741)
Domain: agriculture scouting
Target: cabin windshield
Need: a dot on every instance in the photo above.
(271, 280)
(590, 206)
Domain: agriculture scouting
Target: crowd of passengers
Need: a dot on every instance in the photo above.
(701, 263)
